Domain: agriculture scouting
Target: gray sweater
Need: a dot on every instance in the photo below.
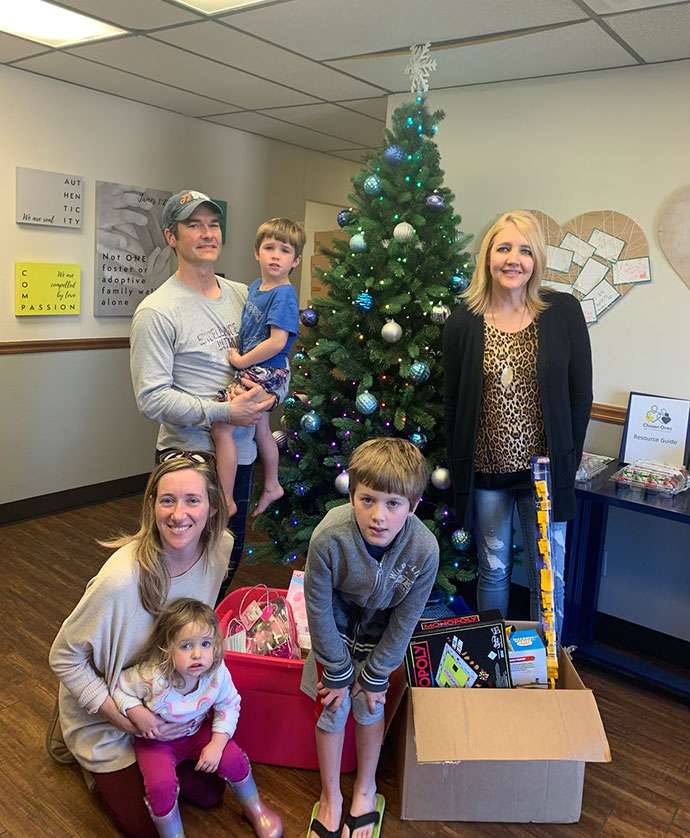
(179, 361)
(362, 608)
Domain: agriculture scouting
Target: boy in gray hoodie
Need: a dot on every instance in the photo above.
(370, 568)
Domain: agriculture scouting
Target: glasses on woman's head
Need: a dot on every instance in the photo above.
(169, 454)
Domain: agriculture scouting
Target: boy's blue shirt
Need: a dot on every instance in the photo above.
(363, 608)
(263, 309)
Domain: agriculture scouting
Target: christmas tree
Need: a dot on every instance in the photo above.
(368, 360)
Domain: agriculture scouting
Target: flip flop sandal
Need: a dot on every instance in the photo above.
(316, 826)
(353, 822)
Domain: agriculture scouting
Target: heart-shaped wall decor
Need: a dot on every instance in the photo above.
(598, 257)
(674, 232)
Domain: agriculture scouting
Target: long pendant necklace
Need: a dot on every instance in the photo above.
(507, 372)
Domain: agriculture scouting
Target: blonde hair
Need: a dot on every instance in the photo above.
(154, 577)
(389, 464)
(478, 294)
(159, 652)
(282, 230)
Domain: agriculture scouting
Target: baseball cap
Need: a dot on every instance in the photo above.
(182, 205)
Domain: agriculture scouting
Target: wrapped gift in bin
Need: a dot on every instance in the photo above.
(277, 720)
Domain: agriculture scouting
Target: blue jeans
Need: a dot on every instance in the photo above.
(493, 514)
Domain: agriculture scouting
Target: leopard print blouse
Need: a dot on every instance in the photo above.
(511, 427)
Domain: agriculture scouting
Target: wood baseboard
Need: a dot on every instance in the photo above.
(20, 510)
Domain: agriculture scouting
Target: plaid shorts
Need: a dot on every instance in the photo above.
(274, 380)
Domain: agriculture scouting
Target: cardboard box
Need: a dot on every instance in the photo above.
(499, 755)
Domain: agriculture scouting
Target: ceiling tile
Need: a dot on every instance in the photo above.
(371, 107)
(245, 52)
(256, 123)
(569, 49)
(12, 48)
(357, 155)
(332, 119)
(332, 29)
(656, 34)
(168, 64)
(132, 14)
(59, 65)
(603, 7)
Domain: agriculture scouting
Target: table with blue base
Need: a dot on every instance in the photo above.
(585, 551)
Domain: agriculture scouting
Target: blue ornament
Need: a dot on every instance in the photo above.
(345, 217)
(290, 401)
(419, 372)
(372, 185)
(309, 317)
(435, 202)
(418, 439)
(394, 155)
(461, 539)
(458, 282)
(357, 243)
(299, 357)
(310, 422)
(366, 402)
(364, 301)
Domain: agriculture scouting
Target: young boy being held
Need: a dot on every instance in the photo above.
(370, 568)
(269, 326)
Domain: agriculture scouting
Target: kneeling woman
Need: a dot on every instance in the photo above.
(518, 372)
(181, 550)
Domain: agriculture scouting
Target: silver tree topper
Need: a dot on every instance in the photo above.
(421, 66)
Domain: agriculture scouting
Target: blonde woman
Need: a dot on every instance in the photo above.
(181, 549)
(518, 377)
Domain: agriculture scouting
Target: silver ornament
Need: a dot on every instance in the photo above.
(281, 440)
(391, 332)
(440, 313)
(342, 482)
(403, 232)
(440, 478)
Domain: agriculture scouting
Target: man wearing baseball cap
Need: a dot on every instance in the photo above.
(179, 342)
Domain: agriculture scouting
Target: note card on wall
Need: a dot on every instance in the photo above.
(49, 198)
(46, 288)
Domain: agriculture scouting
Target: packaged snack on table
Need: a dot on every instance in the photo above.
(654, 477)
(590, 465)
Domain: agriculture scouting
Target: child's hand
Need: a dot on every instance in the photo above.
(236, 359)
(144, 721)
(210, 757)
(372, 698)
(331, 698)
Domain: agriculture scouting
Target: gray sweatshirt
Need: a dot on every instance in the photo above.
(179, 361)
(362, 608)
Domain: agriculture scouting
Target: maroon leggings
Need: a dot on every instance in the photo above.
(122, 793)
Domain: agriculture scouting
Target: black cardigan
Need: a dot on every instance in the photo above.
(564, 375)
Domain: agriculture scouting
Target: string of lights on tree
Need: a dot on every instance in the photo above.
(368, 360)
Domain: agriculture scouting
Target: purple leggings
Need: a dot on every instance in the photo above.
(158, 761)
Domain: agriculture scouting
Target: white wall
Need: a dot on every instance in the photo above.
(611, 140)
(69, 418)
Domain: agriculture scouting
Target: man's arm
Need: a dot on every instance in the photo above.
(152, 357)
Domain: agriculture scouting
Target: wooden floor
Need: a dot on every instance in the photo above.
(46, 562)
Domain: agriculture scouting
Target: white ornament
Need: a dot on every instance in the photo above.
(342, 482)
(421, 66)
(391, 332)
(403, 232)
(440, 478)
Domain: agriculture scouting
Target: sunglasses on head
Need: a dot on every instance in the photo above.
(169, 454)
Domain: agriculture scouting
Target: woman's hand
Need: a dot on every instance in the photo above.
(146, 722)
(108, 710)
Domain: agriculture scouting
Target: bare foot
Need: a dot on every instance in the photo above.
(232, 507)
(268, 496)
(329, 814)
(362, 802)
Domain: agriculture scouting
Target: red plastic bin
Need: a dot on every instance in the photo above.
(277, 720)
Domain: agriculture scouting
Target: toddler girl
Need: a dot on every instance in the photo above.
(180, 677)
